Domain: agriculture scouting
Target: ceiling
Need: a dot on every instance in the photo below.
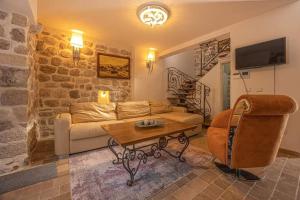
(116, 20)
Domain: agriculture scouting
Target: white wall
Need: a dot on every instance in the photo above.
(147, 86)
(277, 23)
(183, 61)
(213, 80)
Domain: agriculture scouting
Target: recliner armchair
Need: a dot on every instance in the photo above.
(249, 135)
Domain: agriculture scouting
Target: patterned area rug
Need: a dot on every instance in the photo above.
(93, 176)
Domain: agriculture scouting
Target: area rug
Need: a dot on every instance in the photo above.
(93, 176)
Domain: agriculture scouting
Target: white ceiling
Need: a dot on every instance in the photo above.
(116, 20)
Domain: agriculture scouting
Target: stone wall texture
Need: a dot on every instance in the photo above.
(14, 92)
(61, 83)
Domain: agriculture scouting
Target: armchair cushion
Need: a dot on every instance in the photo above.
(222, 119)
(216, 141)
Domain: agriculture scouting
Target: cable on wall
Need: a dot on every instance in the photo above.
(245, 86)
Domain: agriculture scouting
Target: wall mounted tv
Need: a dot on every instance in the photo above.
(272, 52)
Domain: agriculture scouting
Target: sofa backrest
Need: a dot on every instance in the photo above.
(157, 107)
(131, 109)
(92, 112)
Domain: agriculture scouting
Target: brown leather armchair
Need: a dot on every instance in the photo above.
(249, 135)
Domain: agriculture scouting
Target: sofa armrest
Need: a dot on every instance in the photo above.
(62, 125)
(179, 109)
(222, 119)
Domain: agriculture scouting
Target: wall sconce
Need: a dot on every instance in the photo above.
(76, 43)
(103, 97)
(150, 59)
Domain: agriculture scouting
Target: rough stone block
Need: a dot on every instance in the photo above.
(43, 77)
(89, 73)
(45, 92)
(74, 72)
(50, 40)
(67, 85)
(19, 20)
(74, 94)
(65, 103)
(4, 44)
(12, 149)
(10, 76)
(14, 134)
(60, 93)
(46, 113)
(40, 45)
(66, 53)
(43, 60)
(17, 60)
(60, 78)
(50, 51)
(47, 69)
(62, 70)
(3, 14)
(2, 32)
(87, 51)
(21, 113)
(51, 103)
(18, 34)
(56, 61)
(5, 125)
(14, 97)
(20, 49)
(89, 87)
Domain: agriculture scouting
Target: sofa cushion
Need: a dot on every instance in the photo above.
(131, 109)
(89, 130)
(182, 117)
(92, 112)
(157, 107)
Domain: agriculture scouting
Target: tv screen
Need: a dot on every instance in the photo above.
(263, 54)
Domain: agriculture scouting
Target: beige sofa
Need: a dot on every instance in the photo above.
(80, 129)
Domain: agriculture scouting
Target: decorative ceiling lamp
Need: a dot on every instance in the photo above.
(153, 14)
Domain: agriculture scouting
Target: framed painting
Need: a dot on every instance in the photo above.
(113, 66)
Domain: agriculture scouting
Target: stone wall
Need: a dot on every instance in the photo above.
(14, 90)
(62, 83)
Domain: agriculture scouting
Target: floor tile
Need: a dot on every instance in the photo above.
(281, 196)
(260, 193)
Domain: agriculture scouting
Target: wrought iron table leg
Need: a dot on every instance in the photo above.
(130, 155)
(183, 139)
(110, 144)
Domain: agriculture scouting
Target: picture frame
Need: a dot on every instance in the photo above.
(113, 66)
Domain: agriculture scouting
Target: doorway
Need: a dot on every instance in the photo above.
(226, 85)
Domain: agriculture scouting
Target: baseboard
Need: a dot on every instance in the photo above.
(289, 152)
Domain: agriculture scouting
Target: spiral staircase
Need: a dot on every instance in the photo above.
(186, 91)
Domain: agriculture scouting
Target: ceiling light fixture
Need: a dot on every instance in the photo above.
(153, 14)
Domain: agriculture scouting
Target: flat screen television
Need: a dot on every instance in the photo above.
(272, 52)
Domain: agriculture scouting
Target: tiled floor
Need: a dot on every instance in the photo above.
(281, 182)
(54, 189)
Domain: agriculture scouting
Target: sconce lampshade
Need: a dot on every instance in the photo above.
(151, 55)
(103, 97)
(77, 39)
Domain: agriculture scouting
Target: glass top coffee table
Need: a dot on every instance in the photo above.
(128, 136)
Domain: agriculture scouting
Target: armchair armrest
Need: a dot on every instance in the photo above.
(222, 119)
(179, 109)
(62, 125)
